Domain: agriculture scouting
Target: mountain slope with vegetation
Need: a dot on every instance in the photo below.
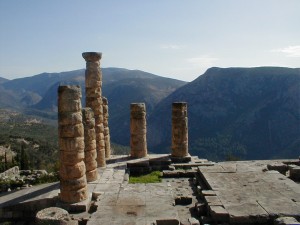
(234, 113)
(37, 95)
(250, 113)
(3, 80)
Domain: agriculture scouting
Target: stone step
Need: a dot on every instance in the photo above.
(190, 165)
(178, 173)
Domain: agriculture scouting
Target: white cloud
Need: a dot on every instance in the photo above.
(290, 51)
(172, 46)
(202, 61)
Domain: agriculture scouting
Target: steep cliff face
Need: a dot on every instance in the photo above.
(253, 113)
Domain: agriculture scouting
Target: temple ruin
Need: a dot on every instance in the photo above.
(94, 185)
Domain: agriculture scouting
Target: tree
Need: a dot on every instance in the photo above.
(24, 161)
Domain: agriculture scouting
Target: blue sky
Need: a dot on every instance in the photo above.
(172, 38)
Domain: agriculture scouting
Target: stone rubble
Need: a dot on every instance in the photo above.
(54, 216)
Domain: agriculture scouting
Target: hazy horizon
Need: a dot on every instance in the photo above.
(169, 38)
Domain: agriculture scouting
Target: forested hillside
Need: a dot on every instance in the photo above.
(250, 113)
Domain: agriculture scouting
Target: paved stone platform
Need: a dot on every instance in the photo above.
(248, 193)
(119, 202)
(223, 193)
(114, 200)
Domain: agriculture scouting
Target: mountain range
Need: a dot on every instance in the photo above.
(242, 113)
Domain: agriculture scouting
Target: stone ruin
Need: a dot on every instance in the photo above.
(84, 138)
(138, 130)
(180, 132)
(93, 91)
(71, 145)
(106, 128)
(192, 191)
(90, 152)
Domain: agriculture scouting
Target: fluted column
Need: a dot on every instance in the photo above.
(93, 89)
(179, 129)
(73, 183)
(106, 128)
(138, 130)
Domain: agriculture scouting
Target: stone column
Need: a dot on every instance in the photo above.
(73, 184)
(93, 90)
(54, 216)
(138, 130)
(179, 130)
(90, 152)
(106, 128)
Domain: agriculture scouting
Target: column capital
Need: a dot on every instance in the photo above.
(137, 106)
(92, 56)
(179, 104)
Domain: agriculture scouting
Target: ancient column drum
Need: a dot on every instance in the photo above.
(138, 130)
(93, 89)
(106, 128)
(73, 183)
(179, 129)
(90, 153)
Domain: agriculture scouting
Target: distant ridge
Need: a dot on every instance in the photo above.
(3, 80)
(121, 87)
(254, 113)
(234, 113)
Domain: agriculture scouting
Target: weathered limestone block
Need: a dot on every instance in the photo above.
(280, 167)
(179, 129)
(92, 173)
(12, 172)
(71, 144)
(74, 196)
(73, 171)
(295, 173)
(69, 157)
(90, 144)
(106, 128)
(69, 118)
(68, 105)
(286, 221)
(54, 216)
(71, 130)
(73, 184)
(218, 213)
(93, 88)
(167, 221)
(138, 141)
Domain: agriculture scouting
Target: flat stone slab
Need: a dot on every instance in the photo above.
(218, 213)
(249, 193)
(28, 195)
(208, 193)
(286, 221)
